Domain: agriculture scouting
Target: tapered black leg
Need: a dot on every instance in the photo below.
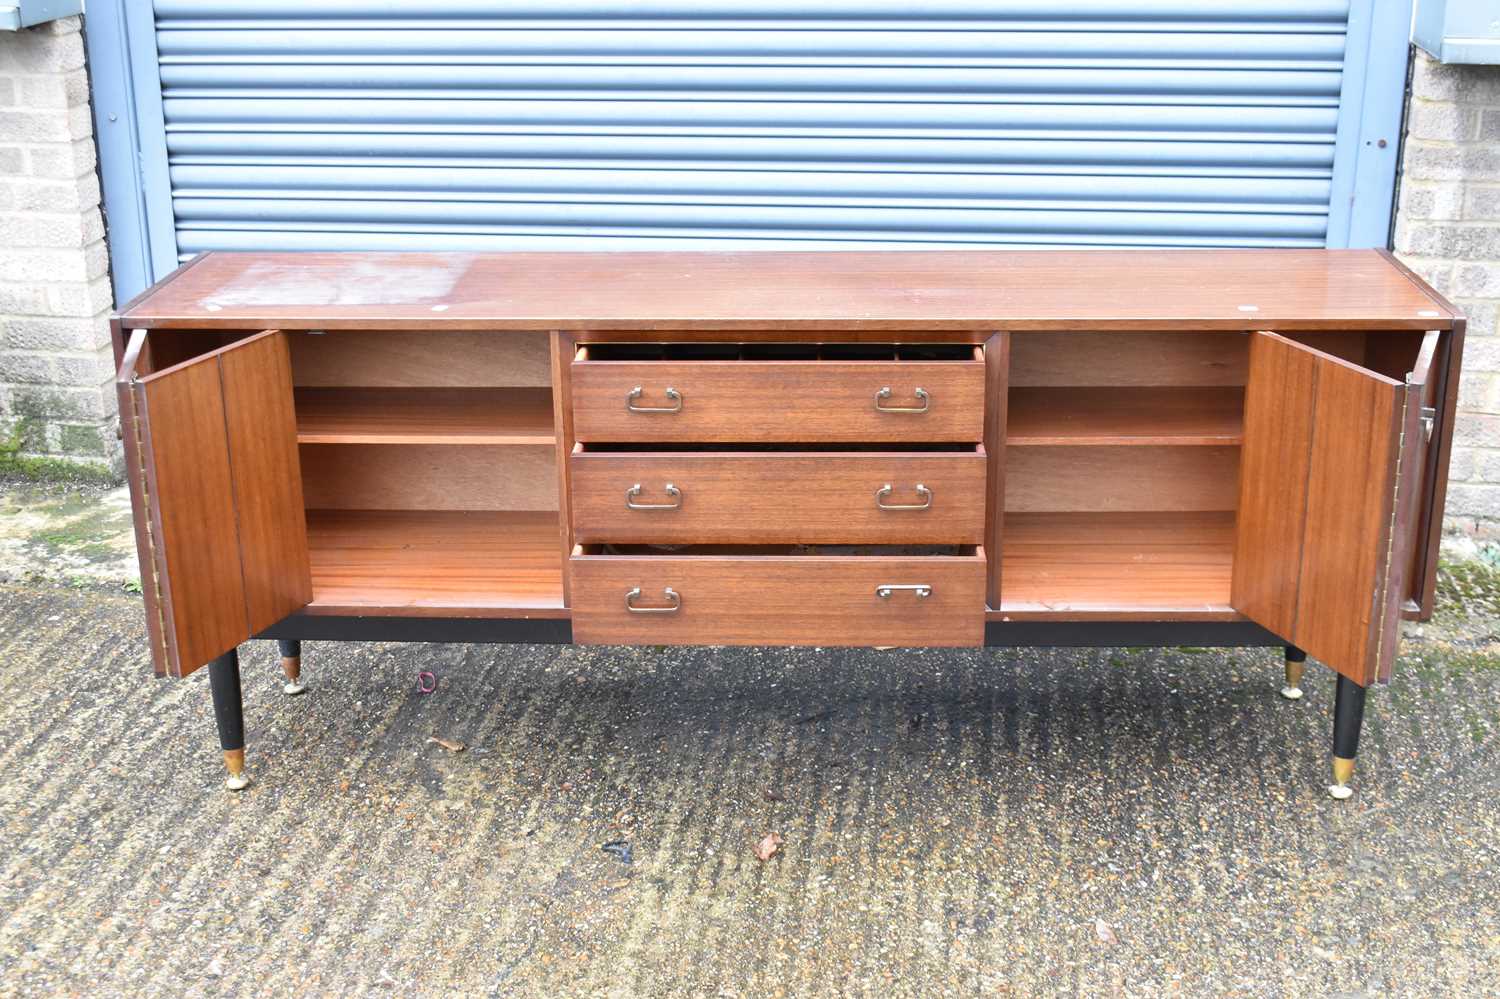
(1295, 660)
(291, 665)
(229, 715)
(1348, 716)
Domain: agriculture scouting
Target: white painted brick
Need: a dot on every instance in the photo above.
(22, 299)
(42, 229)
(7, 91)
(42, 92)
(1430, 200)
(1447, 161)
(43, 265)
(26, 369)
(77, 194)
(1442, 120)
(1477, 280)
(1433, 80)
(1461, 464)
(25, 125)
(1479, 392)
(60, 161)
(1481, 316)
(1477, 500)
(77, 299)
(40, 52)
(83, 370)
(1486, 466)
(102, 294)
(1458, 241)
(1482, 202)
(96, 259)
(1481, 353)
(76, 88)
(37, 334)
(61, 402)
(11, 158)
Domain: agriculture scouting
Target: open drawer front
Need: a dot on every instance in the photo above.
(211, 449)
(1330, 482)
(807, 595)
(778, 393)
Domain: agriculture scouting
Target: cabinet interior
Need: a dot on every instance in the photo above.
(429, 470)
(1122, 467)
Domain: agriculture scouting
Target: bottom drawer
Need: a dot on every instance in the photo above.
(826, 595)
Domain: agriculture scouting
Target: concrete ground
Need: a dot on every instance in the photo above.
(982, 822)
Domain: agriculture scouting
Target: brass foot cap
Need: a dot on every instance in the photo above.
(1343, 772)
(1291, 693)
(234, 762)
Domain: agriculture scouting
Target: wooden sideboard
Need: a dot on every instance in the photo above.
(1244, 447)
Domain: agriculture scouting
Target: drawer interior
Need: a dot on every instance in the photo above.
(778, 352)
(785, 551)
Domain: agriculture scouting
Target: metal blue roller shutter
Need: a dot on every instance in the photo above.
(726, 124)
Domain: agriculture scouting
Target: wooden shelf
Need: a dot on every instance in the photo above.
(1117, 566)
(424, 416)
(1110, 416)
(435, 564)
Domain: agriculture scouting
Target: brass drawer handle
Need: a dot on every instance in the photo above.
(884, 590)
(920, 393)
(667, 592)
(671, 393)
(923, 493)
(635, 490)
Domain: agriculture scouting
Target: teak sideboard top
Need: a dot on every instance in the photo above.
(954, 295)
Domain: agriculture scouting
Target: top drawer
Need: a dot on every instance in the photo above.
(777, 393)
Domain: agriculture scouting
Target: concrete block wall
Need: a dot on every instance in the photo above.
(56, 391)
(1448, 231)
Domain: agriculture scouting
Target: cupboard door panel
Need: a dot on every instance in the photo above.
(261, 429)
(1325, 488)
(212, 448)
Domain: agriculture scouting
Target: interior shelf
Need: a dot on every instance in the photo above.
(424, 416)
(1113, 416)
(435, 564)
(1152, 566)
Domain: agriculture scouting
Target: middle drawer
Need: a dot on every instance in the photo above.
(784, 497)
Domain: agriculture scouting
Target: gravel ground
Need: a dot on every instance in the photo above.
(985, 822)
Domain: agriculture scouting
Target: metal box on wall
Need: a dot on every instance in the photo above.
(1459, 31)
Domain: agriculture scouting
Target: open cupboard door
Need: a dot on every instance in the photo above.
(1329, 476)
(211, 444)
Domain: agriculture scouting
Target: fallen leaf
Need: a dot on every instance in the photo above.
(1105, 932)
(769, 846)
(451, 745)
